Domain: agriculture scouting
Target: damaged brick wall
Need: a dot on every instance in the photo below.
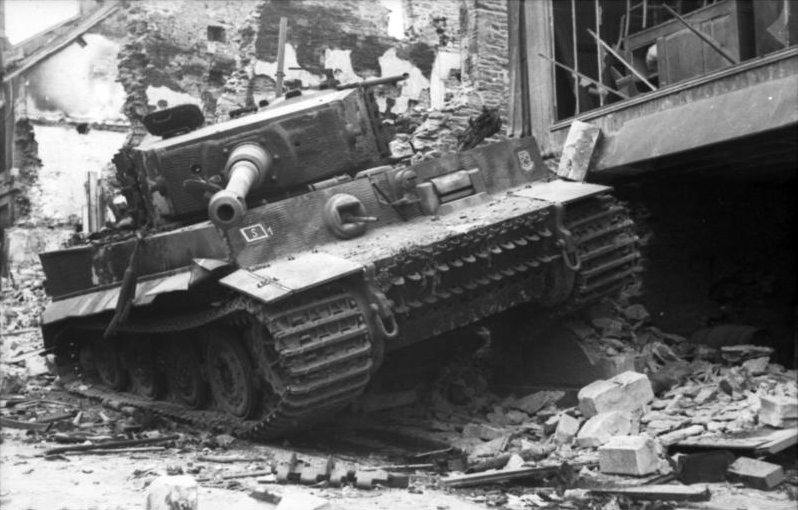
(486, 61)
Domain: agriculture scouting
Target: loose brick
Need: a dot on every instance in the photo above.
(756, 473)
(778, 411)
(600, 428)
(628, 455)
(624, 392)
(566, 429)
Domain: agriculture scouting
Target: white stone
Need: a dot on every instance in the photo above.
(775, 410)
(600, 428)
(628, 391)
(566, 429)
(172, 493)
(628, 455)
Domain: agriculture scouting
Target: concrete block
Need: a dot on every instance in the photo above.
(566, 429)
(600, 428)
(172, 493)
(628, 391)
(577, 152)
(628, 455)
(778, 411)
(756, 473)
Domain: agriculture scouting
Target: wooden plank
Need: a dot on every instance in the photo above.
(766, 442)
(505, 475)
(24, 425)
(658, 492)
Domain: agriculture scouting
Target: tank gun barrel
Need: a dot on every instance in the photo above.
(247, 168)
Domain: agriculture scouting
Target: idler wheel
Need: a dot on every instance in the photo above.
(184, 373)
(230, 374)
(146, 378)
(109, 365)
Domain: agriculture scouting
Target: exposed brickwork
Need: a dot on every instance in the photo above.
(486, 61)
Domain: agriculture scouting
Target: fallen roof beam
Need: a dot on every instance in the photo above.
(70, 37)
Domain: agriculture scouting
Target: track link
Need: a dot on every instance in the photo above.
(607, 246)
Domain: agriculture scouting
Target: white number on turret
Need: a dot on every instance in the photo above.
(256, 232)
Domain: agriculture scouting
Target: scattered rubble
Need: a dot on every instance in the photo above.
(713, 404)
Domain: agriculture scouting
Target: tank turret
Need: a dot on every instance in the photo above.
(260, 156)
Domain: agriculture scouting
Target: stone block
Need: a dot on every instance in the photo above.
(577, 152)
(778, 411)
(566, 429)
(600, 428)
(756, 473)
(172, 493)
(628, 391)
(628, 455)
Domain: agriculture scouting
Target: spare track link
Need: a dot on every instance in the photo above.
(313, 350)
(607, 246)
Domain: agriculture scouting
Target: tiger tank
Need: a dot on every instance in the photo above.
(267, 263)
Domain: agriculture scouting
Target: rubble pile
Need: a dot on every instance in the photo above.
(672, 396)
(427, 133)
(23, 299)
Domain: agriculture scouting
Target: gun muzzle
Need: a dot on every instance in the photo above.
(247, 167)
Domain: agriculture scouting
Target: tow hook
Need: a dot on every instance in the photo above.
(565, 240)
(384, 318)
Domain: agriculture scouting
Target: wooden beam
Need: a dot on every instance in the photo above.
(71, 36)
(504, 475)
(659, 492)
(711, 41)
(621, 60)
(588, 78)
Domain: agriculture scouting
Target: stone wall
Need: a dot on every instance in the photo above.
(486, 61)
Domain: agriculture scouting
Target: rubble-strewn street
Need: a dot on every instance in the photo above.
(669, 432)
(398, 254)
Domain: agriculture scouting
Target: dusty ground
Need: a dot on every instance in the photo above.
(119, 482)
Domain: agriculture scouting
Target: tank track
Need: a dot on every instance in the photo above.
(608, 249)
(319, 349)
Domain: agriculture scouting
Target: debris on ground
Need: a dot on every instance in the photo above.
(671, 423)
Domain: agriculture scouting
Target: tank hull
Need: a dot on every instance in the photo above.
(306, 316)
